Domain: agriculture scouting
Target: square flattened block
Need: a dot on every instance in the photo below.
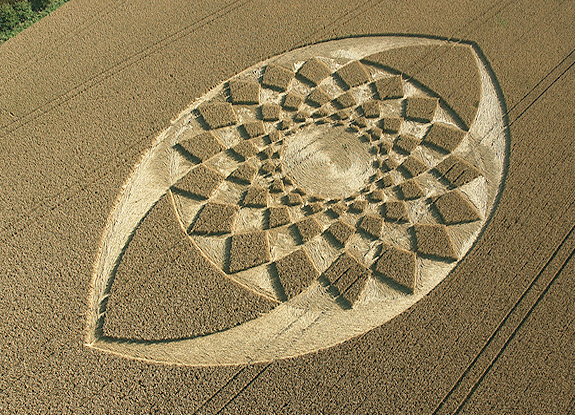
(215, 218)
(277, 186)
(386, 181)
(270, 112)
(267, 152)
(398, 265)
(269, 166)
(321, 112)
(274, 135)
(384, 146)
(396, 211)
(454, 208)
(372, 225)
(200, 181)
(370, 109)
(202, 146)
(277, 77)
(296, 272)
(308, 228)
(285, 124)
(278, 216)
(344, 114)
(249, 250)
(254, 128)
(391, 125)
(360, 122)
(338, 208)
(245, 149)
(358, 205)
(292, 100)
(420, 108)
(457, 171)
(434, 240)
(314, 71)
(318, 97)
(244, 92)
(315, 207)
(375, 133)
(389, 164)
(256, 196)
(377, 195)
(410, 190)
(294, 199)
(444, 136)
(389, 88)
(348, 276)
(446, 164)
(354, 74)
(341, 231)
(218, 114)
(346, 100)
(414, 166)
(302, 116)
(245, 173)
(405, 144)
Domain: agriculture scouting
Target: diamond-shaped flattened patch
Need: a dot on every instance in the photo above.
(386, 181)
(414, 166)
(318, 97)
(244, 92)
(397, 265)
(215, 218)
(200, 181)
(277, 77)
(346, 100)
(410, 190)
(314, 71)
(370, 109)
(294, 199)
(358, 205)
(245, 149)
(405, 144)
(420, 108)
(396, 211)
(308, 228)
(454, 208)
(353, 74)
(372, 225)
(391, 125)
(292, 101)
(296, 272)
(389, 88)
(256, 196)
(434, 240)
(254, 128)
(218, 114)
(270, 112)
(245, 173)
(444, 136)
(277, 186)
(249, 250)
(202, 146)
(278, 216)
(341, 231)
(348, 276)
(457, 171)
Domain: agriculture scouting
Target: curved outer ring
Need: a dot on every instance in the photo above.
(260, 338)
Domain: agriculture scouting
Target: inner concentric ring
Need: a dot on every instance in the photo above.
(328, 161)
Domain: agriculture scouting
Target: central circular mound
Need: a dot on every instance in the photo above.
(328, 161)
